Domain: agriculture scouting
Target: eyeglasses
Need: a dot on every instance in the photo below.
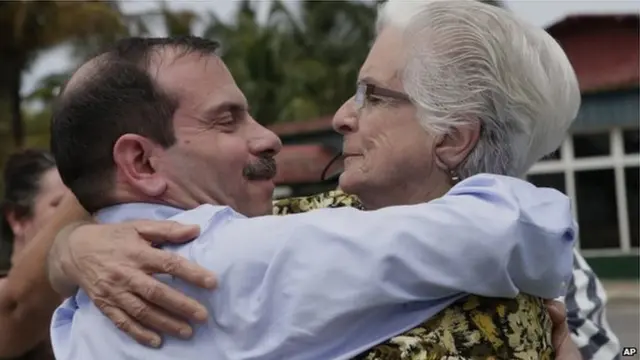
(365, 90)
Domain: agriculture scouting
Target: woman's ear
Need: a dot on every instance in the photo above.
(16, 224)
(454, 147)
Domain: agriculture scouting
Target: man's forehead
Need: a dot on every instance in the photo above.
(201, 81)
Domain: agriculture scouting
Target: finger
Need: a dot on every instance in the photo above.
(557, 312)
(160, 261)
(559, 334)
(560, 331)
(131, 328)
(151, 317)
(166, 231)
(168, 298)
(561, 341)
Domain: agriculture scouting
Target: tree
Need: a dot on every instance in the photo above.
(256, 56)
(296, 68)
(174, 23)
(47, 89)
(334, 39)
(29, 27)
(178, 23)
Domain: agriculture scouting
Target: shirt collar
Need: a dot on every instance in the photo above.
(136, 211)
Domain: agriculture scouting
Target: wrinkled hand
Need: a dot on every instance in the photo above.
(113, 263)
(566, 349)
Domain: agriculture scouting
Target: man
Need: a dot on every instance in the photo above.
(163, 127)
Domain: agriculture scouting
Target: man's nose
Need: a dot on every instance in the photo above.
(265, 143)
(345, 120)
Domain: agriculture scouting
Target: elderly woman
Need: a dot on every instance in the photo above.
(33, 191)
(437, 101)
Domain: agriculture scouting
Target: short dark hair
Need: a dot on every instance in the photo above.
(120, 97)
(22, 176)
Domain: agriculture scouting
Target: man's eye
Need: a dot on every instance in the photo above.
(226, 119)
(226, 124)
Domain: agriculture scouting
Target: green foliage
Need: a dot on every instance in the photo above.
(29, 27)
(295, 68)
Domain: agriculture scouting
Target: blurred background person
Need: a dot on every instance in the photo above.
(33, 191)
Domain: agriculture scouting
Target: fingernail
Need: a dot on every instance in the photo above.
(155, 342)
(200, 315)
(210, 282)
(185, 332)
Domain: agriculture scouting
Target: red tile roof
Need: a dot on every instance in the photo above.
(298, 164)
(614, 66)
(575, 22)
(302, 127)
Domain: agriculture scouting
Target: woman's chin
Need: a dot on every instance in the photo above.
(350, 181)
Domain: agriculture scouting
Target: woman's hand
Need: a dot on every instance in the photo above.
(113, 265)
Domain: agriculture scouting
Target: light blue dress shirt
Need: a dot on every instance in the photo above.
(331, 283)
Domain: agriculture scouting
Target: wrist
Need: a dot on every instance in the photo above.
(60, 263)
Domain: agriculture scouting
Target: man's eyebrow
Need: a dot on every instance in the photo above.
(224, 106)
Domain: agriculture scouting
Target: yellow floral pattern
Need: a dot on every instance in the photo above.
(473, 328)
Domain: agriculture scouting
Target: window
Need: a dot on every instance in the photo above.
(631, 141)
(599, 172)
(589, 145)
(631, 181)
(597, 211)
(553, 180)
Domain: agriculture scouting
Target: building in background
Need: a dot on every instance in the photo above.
(309, 147)
(598, 165)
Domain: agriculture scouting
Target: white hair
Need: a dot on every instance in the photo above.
(468, 61)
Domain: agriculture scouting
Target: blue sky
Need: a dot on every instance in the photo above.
(538, 12)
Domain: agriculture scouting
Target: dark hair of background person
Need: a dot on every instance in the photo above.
(23, 173)
(119, 97)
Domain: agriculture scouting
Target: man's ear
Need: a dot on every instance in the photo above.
(132, 155)
(453, 148)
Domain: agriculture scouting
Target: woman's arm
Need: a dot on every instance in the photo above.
(26, 298)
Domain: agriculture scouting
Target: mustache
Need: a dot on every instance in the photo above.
(264, 168)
